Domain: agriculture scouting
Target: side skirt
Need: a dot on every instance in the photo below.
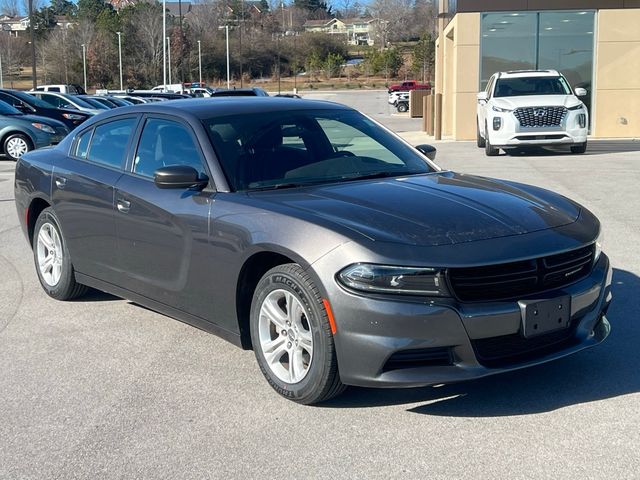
(172, 312)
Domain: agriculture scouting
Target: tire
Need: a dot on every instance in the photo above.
(479, 139)
(489, 150)
(403, 107)
(48, 243)
(313, 377)
(579, 148)
(16, 145)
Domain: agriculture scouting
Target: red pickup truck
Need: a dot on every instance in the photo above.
(409, 85)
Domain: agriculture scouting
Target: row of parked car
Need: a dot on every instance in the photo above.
(44, 116)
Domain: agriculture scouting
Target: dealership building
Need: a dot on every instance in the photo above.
(594, 43)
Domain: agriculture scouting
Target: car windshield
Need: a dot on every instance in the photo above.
(30, 99)
(516, 87)
(6, 109)
(307, 147)
(79, 101)
(96, 103)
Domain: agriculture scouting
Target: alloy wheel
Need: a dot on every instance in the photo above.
(50, 254)
(285, 336)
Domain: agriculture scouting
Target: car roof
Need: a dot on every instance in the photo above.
(528, 73)
(203, 108)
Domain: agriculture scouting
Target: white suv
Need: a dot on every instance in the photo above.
(531, 107)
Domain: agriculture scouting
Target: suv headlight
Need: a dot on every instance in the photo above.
(500, 109)
(72, 116)
(366, 277)
(599, 245)
(576, 107)
(43, 127)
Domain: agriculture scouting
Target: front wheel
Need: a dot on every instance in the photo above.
(489, 150)
(403, 107)
(53, 264)
(292, 337)
(480, 142)
(579, 148)
(16, 145)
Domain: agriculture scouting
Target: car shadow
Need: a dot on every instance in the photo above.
(605, 371)
(594, 147)
(94, 295)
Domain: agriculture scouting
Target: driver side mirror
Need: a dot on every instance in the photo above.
(581, 92)
(482, 96)
(428, 150)
(179, 176)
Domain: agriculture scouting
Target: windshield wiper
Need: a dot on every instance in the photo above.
(278, 186)
(372, 175)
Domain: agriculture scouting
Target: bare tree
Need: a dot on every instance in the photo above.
(10, 8)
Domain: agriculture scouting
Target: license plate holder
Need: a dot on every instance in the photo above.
(545, 316)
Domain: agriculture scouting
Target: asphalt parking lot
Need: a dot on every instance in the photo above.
(102, 388)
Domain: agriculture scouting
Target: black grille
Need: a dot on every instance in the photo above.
(62, 131)
(520, 279)
(419, 357)
(540, 116)
(511, 349)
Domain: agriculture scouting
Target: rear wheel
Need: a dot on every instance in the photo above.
(53, 264)
(403, 107)
(479, 140)
(16, 145)
(292, 338)
(489, 150)
(579, 148)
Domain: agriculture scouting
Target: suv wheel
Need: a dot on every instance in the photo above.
(292, 337)
(479, 140)
(489, 150)
(403, 107)
(579, 148)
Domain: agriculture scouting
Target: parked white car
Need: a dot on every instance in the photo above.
(531, 107)
(395, 96)
(62, 100)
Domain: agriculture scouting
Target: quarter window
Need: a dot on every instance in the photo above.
(82, 145)
(109, 142)
(164, 143)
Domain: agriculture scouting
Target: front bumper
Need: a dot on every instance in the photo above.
(512, 134)
(372, 332)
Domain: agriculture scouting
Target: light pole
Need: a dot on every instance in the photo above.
(120, 56)
(1, 79)
(200, 63)
(226, 29)
(33, 45)
(164, 45)
(84, 65)
(169, 58)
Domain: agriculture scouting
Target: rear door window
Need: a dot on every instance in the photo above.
(109, 142)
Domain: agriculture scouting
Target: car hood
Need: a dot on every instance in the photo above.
(537, 101)
(433, 209)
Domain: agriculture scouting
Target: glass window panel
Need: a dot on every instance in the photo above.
(508, 42)
(82, 147)
(109, 142)
(566, 45)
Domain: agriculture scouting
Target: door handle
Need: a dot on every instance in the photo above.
(123, 205)
(61, 182)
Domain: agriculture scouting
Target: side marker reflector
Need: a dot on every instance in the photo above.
(332, 321)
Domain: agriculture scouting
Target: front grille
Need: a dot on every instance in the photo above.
(540, 116)
(419, 357)
(525, 138)
(511, 349)
(61, 131)
(520, 279)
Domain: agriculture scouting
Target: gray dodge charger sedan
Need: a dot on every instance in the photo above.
(307, 232)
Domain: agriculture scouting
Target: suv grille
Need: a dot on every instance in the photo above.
(540, 116)
(520, 279)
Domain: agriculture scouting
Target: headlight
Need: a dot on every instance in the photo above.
(43, 127)
(503, 110)
(367, 277)
(576, 107)
(599, 245)
(72, 116)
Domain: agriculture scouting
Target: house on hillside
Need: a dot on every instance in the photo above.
(356, 31)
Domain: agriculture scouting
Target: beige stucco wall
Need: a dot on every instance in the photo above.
(457, 75)
(616, 111)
